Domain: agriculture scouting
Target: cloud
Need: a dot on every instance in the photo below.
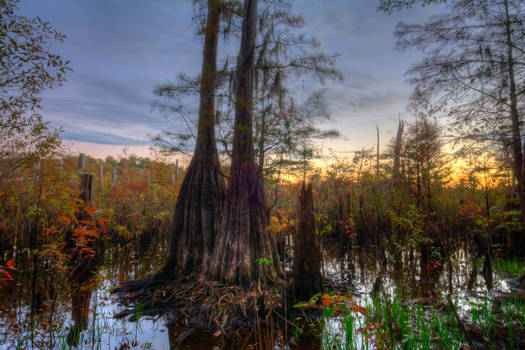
(366, 101)
(121, 49)
(102, 138)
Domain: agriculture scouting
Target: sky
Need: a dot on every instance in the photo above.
(121, 49)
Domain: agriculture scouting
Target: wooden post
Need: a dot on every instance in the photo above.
(397, 149)
(101, 175)
(60, 164)
(36, 168)
(172, 176)
(81, 161)
(377, 151)
(87, 187)
(83, 269)
(124, 173)
(176, 169)
(113, 176)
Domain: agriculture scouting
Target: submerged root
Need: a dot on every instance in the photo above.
(196, 303)
(202, 304)
(149, 283)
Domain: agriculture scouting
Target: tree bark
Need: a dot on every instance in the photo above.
(202, 190)
(244, 251)
(307, 253)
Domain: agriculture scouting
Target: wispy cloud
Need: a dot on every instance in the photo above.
(121, 49)
(102, 138)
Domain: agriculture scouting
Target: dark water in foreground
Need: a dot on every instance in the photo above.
(49, 328)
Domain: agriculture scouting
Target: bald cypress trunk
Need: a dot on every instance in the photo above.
(307, 252)
(202, 190)
(244, 250)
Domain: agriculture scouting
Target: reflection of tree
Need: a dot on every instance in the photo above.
(241, 338)
(80, 300)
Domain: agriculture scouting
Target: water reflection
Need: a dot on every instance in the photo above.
(79, 310)
(262, 339)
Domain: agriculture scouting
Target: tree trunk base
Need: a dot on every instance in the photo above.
(203, 304)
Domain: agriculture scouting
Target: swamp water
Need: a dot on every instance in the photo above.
(383, 307)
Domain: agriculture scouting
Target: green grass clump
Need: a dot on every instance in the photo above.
(509, 267)
(396, 322)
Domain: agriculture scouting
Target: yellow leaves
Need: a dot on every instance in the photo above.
(122, 231)
(106, 213)
(280, 223)
(90, 210)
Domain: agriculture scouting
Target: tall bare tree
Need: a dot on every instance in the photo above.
(244, 249)
(282, 55)
(202, 190)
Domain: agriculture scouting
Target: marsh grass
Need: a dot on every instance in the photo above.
(509, 267)
(397, 322)
(393, 322)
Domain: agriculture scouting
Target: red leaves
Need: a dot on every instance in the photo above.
(4, 274)
(469, 210)
(101, 222)
(340, 303)
(64, 219)
(91, 285)
(348, 228)
(333, 305)
(350, 234)
(10, 263)
(327, 301)
(371, 328)
(434, 263)
(85, 232)
(359, 309)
